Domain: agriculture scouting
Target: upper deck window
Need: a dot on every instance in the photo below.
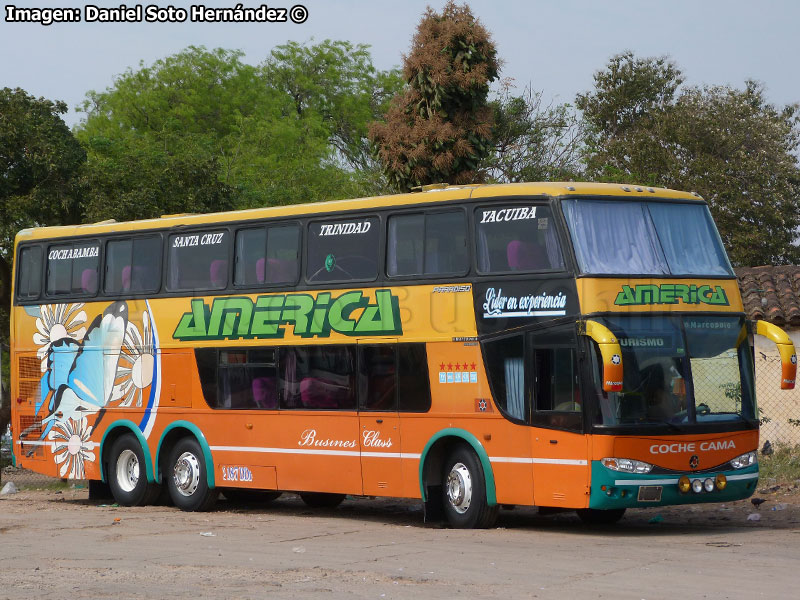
(516, 238)
(427, 244)
(343, 250)
(267, 256)
(198, 260)
(645, 238)
(72, 268)
(133, 265)
(29, 269)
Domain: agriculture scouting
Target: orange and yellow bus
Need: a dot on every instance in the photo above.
(570, 346)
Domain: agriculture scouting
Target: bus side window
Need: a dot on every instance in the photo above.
(377, 377)
(133, 265)
(556, 394)
(72, 269)
(267, 256)
(516, 238)
(29, 273)
(238, 378)
(505, 366)
(413, 380)
(427, 244)
(317, 377)
(198, 261)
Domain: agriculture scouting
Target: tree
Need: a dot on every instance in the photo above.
(731, 146)
(336, 82)
(439, 129)
(39, 158)
(201, 131)
(533, 142)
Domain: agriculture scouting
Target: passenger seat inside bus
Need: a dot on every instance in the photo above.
(526, 256)
(265, 392)
(218, 273)
(279, 270)
(89, 281)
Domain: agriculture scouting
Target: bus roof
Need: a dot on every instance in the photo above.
(441, 193)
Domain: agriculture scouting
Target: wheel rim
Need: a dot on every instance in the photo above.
(127, 470)
(186, 474)
(459, 488)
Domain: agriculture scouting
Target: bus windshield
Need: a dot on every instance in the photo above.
(645, 238)
(679, 370)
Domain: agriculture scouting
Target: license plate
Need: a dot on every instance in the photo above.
(650, 493)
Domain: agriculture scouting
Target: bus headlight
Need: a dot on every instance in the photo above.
(697, 485)
(684, 484)
(708, 485)
(745, 460)
(627, 465)
(721, 481)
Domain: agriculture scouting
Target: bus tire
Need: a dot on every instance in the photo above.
(595, 516)
(464, 492)
(127, 477)
(321, 500)
(187, 479)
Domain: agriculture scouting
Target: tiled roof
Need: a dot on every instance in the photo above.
(771, 293)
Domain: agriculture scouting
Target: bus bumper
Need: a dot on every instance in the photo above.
(615, 489)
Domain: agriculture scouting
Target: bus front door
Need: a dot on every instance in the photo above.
(559, 448)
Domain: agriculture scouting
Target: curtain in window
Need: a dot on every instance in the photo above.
(614, 237)
(515, 391)
(684, 226)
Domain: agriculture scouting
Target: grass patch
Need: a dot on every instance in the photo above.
(783, 465)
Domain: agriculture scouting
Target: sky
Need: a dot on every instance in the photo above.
(554, 46)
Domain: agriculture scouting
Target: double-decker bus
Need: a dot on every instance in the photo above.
(571, 346)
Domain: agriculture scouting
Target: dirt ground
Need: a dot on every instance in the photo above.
(58, 544)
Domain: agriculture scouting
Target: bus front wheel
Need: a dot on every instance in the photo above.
(464, 491)
(187, 478)
(127, 477)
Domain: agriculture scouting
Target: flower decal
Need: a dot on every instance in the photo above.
(71, 447)
(56, 322)
(136, 364)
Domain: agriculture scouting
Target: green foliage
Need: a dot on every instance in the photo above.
(335, 83)
(202, 131)
(731, 146)
(38, 160)
(532, 142)
(783, 465)
(439, 129)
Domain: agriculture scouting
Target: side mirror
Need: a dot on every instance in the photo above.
(785, 349)
(609, 351)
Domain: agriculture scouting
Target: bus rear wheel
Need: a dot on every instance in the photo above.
(594, 516)
(321, 500)
(127, 476)
(187, 478)
(464, 492)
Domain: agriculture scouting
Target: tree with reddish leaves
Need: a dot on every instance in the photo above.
(439, 128)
